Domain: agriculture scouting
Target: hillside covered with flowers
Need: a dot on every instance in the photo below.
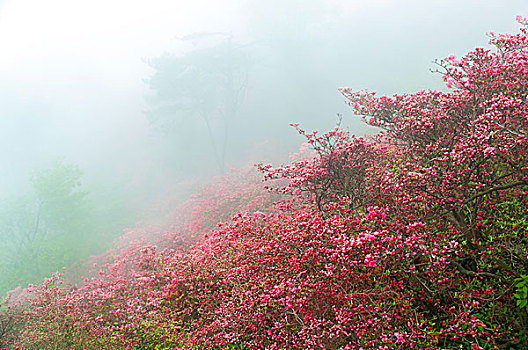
(415, 238)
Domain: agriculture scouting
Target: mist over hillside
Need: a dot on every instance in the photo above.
(73, 75)
(140, 103)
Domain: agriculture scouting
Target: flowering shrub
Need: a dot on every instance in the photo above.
(240, 190)
(12, 315)
(415, 238)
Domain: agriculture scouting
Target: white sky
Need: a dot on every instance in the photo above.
(69, 35)
(76, 67)
(56, 43)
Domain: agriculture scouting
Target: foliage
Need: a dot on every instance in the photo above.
(522, 291)
(45, 229)
(415, 238)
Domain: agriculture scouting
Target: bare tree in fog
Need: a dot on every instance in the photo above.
(197, 98)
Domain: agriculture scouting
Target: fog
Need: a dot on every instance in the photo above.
(137, 95)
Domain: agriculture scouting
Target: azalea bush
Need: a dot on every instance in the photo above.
(415, 238)
(12, 316)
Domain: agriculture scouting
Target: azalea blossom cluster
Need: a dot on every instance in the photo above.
(416, 238)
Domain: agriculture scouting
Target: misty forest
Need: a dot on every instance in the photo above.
(280, 174)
